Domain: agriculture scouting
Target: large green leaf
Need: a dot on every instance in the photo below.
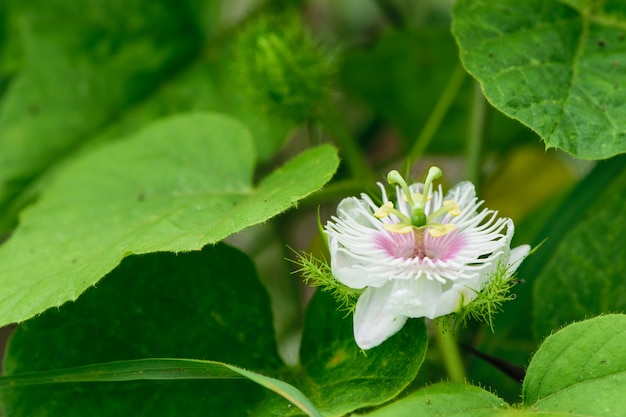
(584, 277)
(207, 304)
(145, 308)
(445, 400)
(547, 230)
(178, 185)
(339, 377)
(109, 69)
(581, 370)
(555, 66)
(82, 64)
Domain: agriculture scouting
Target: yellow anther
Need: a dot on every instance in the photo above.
(438, 230)
(384, 210)
(452, 207)
(415, 197)
(402, 228)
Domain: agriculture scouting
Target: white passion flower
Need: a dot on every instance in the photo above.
(424, 256)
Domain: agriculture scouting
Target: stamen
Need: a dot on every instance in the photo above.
(448, 206)
(415, 196)
(398, 227)
(387, 209)
(384, 210)
(453, 207)
(438, 229)
(418, 222)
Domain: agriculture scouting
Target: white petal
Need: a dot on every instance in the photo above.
(517, 256)
(415, 298)
(355, 209)
(454, 298)
(463, 193)
(373, 324)
(348, 269)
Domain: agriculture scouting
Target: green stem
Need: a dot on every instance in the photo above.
(436, 116)
(349, 148)
(475, 135)
(449, 351)
(390, 10)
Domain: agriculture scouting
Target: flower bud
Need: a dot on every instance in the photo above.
(285, 72)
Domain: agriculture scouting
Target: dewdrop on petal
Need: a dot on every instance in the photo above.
(423, 255)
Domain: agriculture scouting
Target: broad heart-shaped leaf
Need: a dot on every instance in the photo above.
(445, 399)
(585, 275)
(110, 68)
(337, 376)
(556, 67)
(581, 370)
(178, 185)
(202, 305)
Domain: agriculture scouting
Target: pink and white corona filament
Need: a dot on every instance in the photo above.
(423, 255)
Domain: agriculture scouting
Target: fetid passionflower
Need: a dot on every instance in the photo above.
(424, 256)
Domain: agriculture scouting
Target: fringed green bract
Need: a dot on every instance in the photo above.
(489, 300)
(317, 273)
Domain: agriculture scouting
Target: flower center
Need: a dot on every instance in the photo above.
(416, 220)
(420, 245)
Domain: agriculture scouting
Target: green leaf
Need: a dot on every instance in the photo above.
(178, 185)
(145, 308)
(159, 370)
(82, 63)
(110, 69)
(339, 377)
(584, 276)
(546, 230)
(445, 399)
(555, 67)
(202, 305)
(580, 370)
(209, 84)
